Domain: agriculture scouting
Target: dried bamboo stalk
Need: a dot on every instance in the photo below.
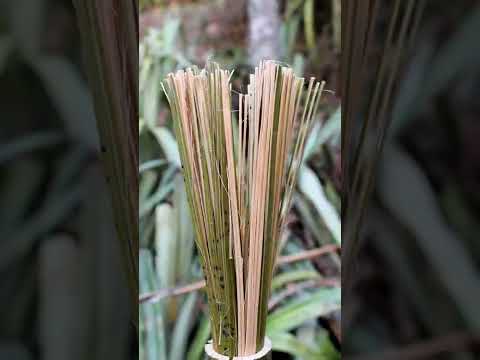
(362, 141)
(109, 30)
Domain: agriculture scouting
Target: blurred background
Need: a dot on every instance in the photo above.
(62, 290)
(304, 321)
(416, 290)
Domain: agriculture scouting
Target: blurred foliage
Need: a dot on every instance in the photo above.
(298, 10)
(178, 327)
(61, 296)
(418, 271)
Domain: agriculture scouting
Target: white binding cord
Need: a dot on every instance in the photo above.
(267, 347)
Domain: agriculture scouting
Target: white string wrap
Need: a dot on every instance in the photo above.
(267, 347)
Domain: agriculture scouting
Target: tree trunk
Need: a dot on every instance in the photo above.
(263, 31)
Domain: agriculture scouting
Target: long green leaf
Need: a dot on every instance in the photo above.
(71, 98)
(198, 343)
(161, 194)
(165, 244)
(292, 276)
(425, 220)
(310, 219)
(152, 324)
(311, 187)
(168, 144)
(296, 312)
(53, 213)
(184, 231)
(152, 164)
(183, 326)
(29, 143)
(288, 343)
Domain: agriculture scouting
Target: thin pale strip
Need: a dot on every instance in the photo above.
(234, 213)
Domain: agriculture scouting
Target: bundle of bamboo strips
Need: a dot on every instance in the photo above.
(109, 30)
(367, 97)
(239, 179)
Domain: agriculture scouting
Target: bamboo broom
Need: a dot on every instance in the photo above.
(109, 30)
(239, 179)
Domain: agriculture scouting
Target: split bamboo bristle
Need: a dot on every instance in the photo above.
(240, 175)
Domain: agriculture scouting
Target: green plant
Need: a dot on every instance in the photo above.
(166, 237)
(302, 10)
(172, 264)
